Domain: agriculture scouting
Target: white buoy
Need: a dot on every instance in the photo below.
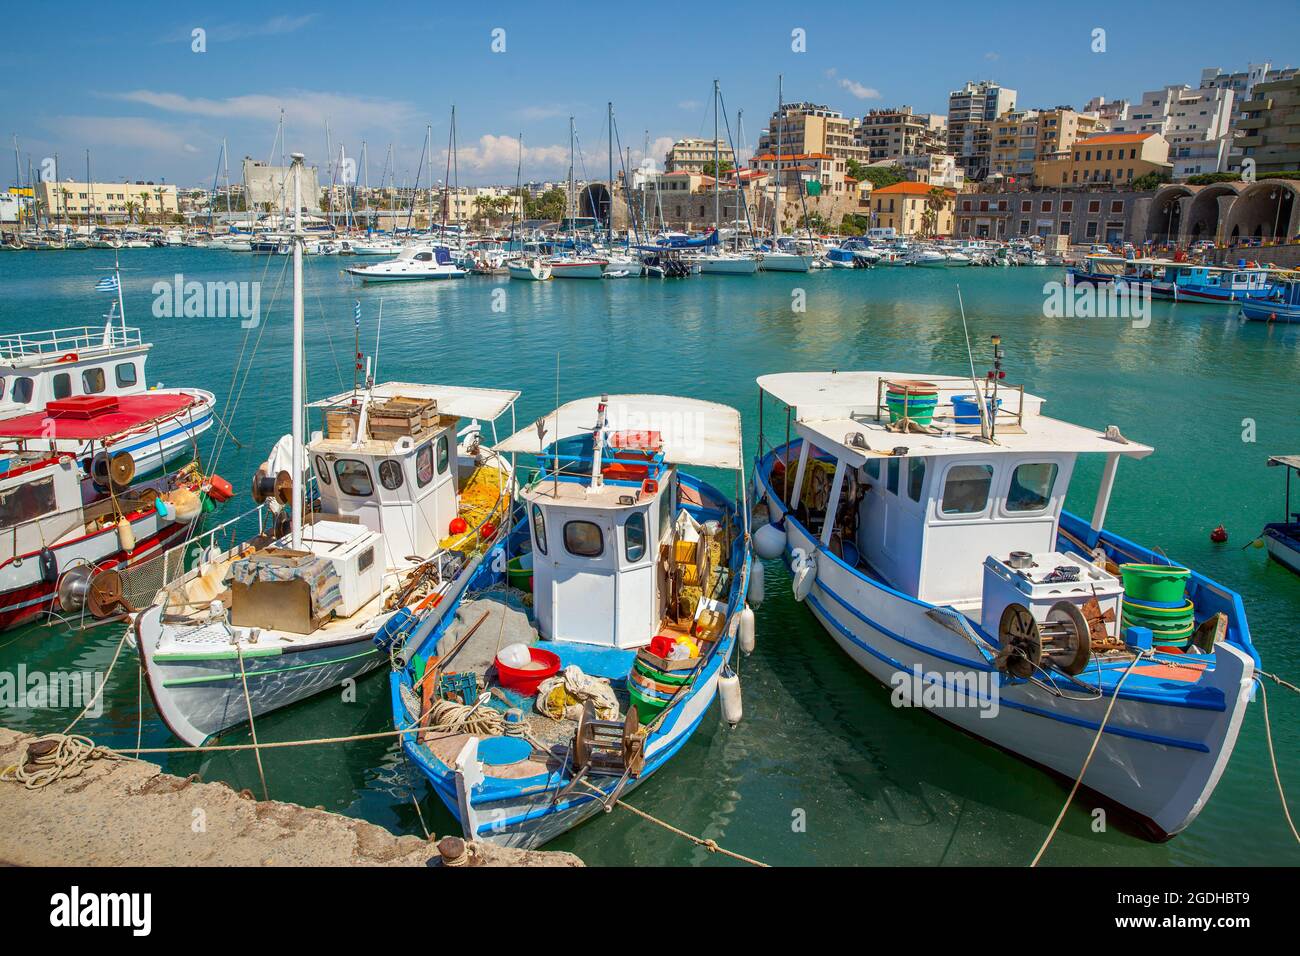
(729, 692)
(125, 536)
(747, 630)
(769, 542)
(803, 571)
(755, 593)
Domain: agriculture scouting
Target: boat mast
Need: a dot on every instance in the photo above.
(609, 193)
(299, 463)
(572, 224)
(776, 192)
(717, 164)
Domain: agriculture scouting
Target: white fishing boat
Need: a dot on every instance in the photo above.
(577, 267)
(416, 263)
(638, 573)
(934, 550)
(83, 391)
(401, 518)
(727, 264)
(530, 269)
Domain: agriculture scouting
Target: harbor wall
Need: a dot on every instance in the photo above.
(129, 813)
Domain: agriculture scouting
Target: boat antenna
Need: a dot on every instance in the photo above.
(979, 396)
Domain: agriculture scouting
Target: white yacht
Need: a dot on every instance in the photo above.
(415, 263)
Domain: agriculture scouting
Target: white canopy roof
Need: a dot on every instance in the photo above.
(484, 403)
(704, 434)
(833, 406)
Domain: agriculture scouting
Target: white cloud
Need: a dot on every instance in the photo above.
(500, 154)
(542, 112)
(860, 91)
(225, 32)
(304, 109)
(131, 132)
(689, 105)
(992, 56)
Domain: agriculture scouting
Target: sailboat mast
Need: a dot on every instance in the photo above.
(572, 224)
(717, 164)
(609, 193)
(780, 128)
(299, 463)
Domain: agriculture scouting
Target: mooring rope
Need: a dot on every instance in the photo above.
(58, 756)
(1272, 756)
(711, 845)
(1101, 728)
(252, 727)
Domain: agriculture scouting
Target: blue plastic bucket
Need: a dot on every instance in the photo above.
(966, 409)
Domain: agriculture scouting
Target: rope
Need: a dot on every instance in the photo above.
(66, 757)
(252, 727)
(1101, 728)
(1272, 756)
(102, 684)
(710, 845)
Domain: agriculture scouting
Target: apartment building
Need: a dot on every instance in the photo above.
(972, 111)
(1197, 124)
(1083, 216)
(1271, 127)
(1023, 138)
(937, 169)
(895, 133)
(1116, 159)
(905, 207)
(812, 128)
(691, 155)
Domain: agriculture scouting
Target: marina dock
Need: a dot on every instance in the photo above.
(129, 813)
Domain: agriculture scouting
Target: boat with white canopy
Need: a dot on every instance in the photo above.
(926, 531)
(638, 573)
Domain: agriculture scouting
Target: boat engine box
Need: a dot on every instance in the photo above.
(1040, 580)
(356, 553)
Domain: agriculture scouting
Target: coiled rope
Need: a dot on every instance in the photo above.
(57, 757)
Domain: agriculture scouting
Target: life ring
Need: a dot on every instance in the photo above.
(69, 357)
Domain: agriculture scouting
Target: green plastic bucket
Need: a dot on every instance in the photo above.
(679, 678)
(920, 409)
(519, 572)
(1160, 583)
(1162, 627)
(647, 708)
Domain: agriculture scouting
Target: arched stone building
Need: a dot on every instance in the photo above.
(1224, 213)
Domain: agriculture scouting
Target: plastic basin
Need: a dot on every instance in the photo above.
(524, 680)
(966, 409)
(1158, 583)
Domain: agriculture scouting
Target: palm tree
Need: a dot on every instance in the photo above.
(144, 202)
(935, 202)
(131, 208)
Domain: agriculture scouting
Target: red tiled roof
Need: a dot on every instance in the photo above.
(1111, 139)
(908, 189)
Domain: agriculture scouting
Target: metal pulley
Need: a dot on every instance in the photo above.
(98, 592)
(278, 486)
(1062, 640)
(609, 747)
(112, 471)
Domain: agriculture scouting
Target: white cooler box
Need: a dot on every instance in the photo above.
(357, 553)
(1004, 585)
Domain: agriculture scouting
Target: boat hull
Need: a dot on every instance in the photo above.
(725, 266)
(577, 270)
(1283, 544)
(1270, 312)
(785, 262)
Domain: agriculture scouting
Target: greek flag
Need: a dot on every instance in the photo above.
(356, 314)
(107, 284)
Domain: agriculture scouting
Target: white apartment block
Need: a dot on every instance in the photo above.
(1197, 123)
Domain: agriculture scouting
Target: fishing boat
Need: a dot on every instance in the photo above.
(531, 269)
(1283, 305)
(1282, 538)
(638, 572)
(1214, 285)
(923, 519)
(83, 391)
(401, 514)
(416, 263)
(66, 536)
(577, 267)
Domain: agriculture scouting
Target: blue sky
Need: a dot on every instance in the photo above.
(122, 80)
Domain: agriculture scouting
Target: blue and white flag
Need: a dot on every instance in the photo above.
(356, 314)
(107, 284)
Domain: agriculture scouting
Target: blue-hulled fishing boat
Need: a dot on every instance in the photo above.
(1214, 285)
(529, 718)
(1282, 538)
(1283, 305)
(926, 532)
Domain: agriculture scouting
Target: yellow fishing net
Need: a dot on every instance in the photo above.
(481, 496)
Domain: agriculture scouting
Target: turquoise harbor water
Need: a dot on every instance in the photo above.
(822, 770)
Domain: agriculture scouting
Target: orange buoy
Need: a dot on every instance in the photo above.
(1219, 535)
(488, 529)
(458, 526)
(219, 490)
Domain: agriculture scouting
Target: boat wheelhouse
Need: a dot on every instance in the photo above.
(1283, 305)
(924, 520)
(416, 262)
(72, 376)
(1215, 285)
(1282, 538)
(638, 573)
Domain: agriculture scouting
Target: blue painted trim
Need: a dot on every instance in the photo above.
(157, 440)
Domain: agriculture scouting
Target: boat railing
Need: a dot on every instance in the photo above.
(1008, 411)
(68, 341)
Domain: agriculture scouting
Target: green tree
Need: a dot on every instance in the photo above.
(935, 202)
(856, 169)
(725, 165)
(550, 205)
(881, 176)
(1150, 181)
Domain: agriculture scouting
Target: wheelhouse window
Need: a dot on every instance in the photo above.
(915, 477)
(92, 381)
(634, 536)
(62, 385)
(22, 390)
(444, 454)
(390, 474)
(424, 465)
(891, 476)
(354, 478)
(125, 374)
(583, 539)
(966, 489)
(539, 529)
(322, 471)
(26, 502)
(1031, 487)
